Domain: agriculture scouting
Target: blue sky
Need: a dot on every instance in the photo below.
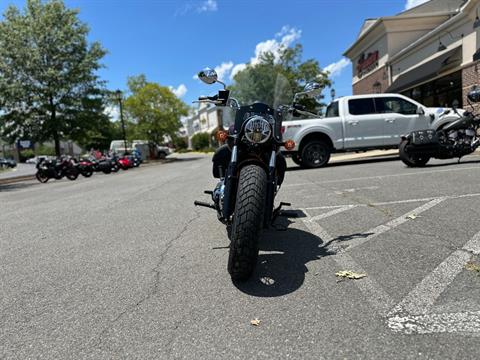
(170, 40)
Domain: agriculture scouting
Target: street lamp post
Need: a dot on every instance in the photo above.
(119, 96)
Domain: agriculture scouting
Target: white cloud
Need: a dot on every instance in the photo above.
(208, 5)
(283, 39)
(180, 91)
(223, 70)
(113, 112)
(412, 3)
(236, 69)
(336, 68)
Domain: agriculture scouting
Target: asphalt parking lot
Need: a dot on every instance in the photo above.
(124, 266)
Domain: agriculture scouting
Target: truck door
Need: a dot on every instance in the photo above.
(363, 126)
(400, 118)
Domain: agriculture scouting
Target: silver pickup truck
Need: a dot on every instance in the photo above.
(359, 123)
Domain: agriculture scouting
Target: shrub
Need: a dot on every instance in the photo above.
(200, 141)
(26, 154)
(45, 150)
(180, 143)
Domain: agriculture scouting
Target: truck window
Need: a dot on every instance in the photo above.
(361, 106)
(386, 105)
(332, 110)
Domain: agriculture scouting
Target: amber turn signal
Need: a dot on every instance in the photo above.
(289, 145)
(222, 136)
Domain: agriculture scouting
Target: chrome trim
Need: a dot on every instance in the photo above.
(234, 154)
(273, 158)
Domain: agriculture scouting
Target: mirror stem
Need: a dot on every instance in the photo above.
(224, 85)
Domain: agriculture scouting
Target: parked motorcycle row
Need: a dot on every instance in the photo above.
(72, 168)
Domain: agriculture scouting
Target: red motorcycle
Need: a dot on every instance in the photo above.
(125, 163)
(86, 167)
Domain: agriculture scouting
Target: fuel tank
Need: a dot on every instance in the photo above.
(458, 124)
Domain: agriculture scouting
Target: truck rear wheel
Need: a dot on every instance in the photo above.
(315, 154)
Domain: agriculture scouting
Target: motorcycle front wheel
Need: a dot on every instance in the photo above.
(247, 222)
(72, 175)
(409, 160)
(41, 176)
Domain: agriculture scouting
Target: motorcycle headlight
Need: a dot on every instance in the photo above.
(257, 130)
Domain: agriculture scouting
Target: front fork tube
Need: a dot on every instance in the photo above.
(271, 184)
(230, 184)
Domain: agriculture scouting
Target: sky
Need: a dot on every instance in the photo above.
(171, 40)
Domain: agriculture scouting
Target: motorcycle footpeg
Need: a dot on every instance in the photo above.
(284, 204)
(208, 192)
(288, 214)
(204, 204)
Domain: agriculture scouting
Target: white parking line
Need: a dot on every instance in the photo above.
(420, 300)
(393, 224)
(383, 176)
(414, 313)
(394, 202)
(373, 292)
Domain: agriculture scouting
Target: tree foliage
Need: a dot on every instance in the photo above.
(154, 108)
(275, 80)
(49, 88)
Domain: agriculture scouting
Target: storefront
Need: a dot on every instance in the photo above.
(429, 53)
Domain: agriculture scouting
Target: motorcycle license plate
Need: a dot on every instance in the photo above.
(424, 137)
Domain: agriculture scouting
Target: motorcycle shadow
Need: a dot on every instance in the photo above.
(283, 269)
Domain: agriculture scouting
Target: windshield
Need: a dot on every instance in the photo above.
(274, 91)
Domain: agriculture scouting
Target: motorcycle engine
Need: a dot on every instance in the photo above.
(463, 137)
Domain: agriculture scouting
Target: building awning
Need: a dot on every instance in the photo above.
(429, 70)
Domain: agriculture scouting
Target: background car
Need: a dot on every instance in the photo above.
(7, 163)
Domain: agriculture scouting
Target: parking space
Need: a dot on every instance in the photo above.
(413, 231)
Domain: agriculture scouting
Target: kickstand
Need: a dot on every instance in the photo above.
(460, 158)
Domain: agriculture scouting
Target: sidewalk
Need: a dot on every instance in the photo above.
(20, 173)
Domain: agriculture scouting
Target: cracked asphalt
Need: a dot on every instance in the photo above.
(124, 266)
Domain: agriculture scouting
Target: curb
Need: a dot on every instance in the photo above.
(16, 179)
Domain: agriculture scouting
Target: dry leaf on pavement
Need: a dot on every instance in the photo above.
(350, 275)
(255, 322)
(473, 266)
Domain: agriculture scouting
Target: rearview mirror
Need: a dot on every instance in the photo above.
(420, 111)
(208, 76)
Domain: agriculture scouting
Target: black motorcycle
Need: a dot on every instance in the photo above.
(455, 140)
(251, 169)
(56, 169)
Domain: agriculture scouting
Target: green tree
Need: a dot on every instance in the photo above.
(155, 110)
(274, 81)
(49, 88)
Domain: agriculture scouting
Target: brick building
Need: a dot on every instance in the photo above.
(429, 53)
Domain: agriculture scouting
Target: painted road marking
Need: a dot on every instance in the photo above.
(373, 292)
(382, 176)
(394, 202)
(376, 231)
(413, 314)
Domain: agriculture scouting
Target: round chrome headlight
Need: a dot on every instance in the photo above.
(257, 130)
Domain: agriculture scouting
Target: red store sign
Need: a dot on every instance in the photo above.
(367, 63)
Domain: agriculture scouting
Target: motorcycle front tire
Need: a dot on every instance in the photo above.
(409, 160)
(41, 176)
(247, 222)
(72, 175)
